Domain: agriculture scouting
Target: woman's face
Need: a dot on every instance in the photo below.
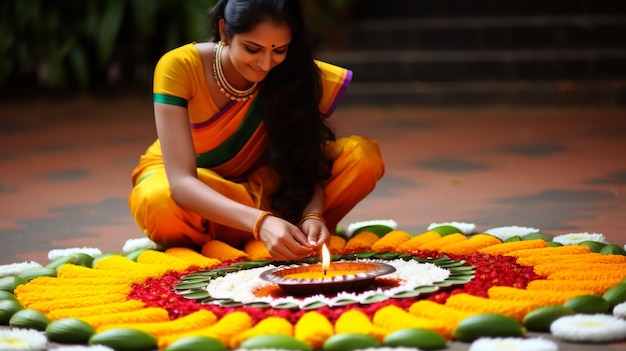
(255, 53)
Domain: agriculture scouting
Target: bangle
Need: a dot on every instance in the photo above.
(312, 215)
(257, 223)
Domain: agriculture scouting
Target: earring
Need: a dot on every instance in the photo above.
(224, 43)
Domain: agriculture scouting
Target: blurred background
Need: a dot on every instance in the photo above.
(417, 51)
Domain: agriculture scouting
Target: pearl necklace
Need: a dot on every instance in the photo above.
(222, 83)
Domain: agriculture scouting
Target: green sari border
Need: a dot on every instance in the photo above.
(233, 145)
(169, 100)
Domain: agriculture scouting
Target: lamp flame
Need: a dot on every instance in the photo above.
(325, 258)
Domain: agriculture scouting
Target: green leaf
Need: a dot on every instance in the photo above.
(110, 24)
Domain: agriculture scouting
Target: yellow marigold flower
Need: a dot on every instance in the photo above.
(363, 241)
(549, 251)
(505, 248)
(313, 328)
(432, 310)
(476, 304)
(471, 246)
(196, 320)
(392, 318)
(269, 325)
(566, 259)
(445, 240)
(123, 266)
(336, 244)
(192, 257)
(597, 287)
(75, 271)
(354, 321)
(145, 315)
(390, 241)
(414, 244)
(257, 250)
(547, 269)
(222, 251)
(226, 328)
(109, 308)
(71, 282)
(70, 292)
(61, 303)
(545, 297)
(154, 257)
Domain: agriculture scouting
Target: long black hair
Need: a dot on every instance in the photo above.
(290, 96)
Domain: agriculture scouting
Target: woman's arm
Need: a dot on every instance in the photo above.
(284, 240)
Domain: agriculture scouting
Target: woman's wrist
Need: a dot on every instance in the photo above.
(312, 215)
(256, 229)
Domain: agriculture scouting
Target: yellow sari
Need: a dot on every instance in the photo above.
(228, 145)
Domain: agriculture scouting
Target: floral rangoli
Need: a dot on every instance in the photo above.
(442, 277)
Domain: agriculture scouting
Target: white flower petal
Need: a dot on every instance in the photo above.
(140, 243)
(577, 238)
(56, 253)
(16, 268)
(22, 340)
(589, 328)
(384, 348)
(240, 286)
(504, 233)
(513, 344)
(620, 310)
(356, 225)
(465, 228)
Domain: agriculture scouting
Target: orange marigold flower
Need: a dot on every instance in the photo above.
(471, 246)
(390, 241)
(392, 318)
(597, 287)
(46, 307)
(109, 308)
(545, 297)
(193, 321)
(432, 310)
(336, 244)
(257, 250)
(564, 260)
(355, 321)
(550, 251)
(445, 240)
(192, 257)
(313, 328)
(153, 257)
(363, 241)
(547, 269)
(608, 272)
(222, 251)
(476, 304)
(414, 244)
(269, 325)
(145, 315)
(226, 328)
(505, 248)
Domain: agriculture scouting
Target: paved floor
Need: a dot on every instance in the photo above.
(65, 170)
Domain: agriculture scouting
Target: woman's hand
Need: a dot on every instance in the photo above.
(315, 231)
(284, 241)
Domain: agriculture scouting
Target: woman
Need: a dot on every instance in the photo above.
(243, 149)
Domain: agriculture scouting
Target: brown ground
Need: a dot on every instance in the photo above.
(65, 170)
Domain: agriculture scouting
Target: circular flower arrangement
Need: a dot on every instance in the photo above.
(440, 279)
